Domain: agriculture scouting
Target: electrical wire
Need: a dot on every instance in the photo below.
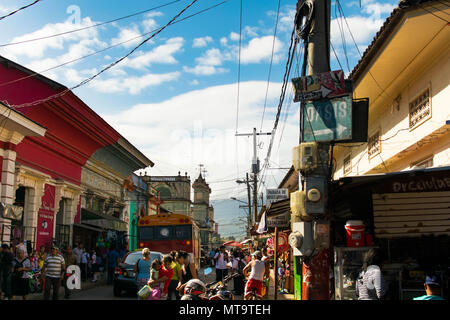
(20, 9)
(238, 89)
(271, 62)
(107, 67)
(110, 47)
(88, 27)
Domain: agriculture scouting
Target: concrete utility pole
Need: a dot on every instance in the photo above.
(316, 269)
(249, 218)
(255, 169)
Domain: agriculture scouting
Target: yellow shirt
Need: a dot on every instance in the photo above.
(176, 267)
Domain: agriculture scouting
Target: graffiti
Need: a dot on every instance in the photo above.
(432, 184)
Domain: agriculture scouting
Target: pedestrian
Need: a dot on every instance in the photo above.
(113, 261)
(371, 284)
(94, 265)
(259, 270)
(432, 287)
(266, 283)
(282, 275)
(142, 269)
(78, 252)
(165, 275)
(21, 276)
(176, 278)
(188, 269)
(155, 286)
(211, 257)
(238, 266)
(221, 264)
(84, 264)
(54, 271)
(6, 268)
(70, 259)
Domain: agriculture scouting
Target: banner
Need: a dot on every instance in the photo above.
(46, 218)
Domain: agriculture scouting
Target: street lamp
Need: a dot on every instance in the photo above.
(233, 198)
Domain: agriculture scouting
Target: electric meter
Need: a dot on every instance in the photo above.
(304, 156)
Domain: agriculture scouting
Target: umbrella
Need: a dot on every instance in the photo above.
(232, 244)
(246, 241)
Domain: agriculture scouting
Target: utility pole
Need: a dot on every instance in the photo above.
(249, 203)
(315, 275)
(255, 169)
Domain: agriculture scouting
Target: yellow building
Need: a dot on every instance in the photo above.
(405, 73)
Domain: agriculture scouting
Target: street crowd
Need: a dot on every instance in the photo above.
(43, 271)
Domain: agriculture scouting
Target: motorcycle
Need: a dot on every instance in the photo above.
(196, 290)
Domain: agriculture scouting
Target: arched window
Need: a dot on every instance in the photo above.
(164, 193)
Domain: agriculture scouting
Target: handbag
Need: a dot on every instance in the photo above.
(144, 292)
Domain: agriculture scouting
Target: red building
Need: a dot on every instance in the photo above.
(63, 166)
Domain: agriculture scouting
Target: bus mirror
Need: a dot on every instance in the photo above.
(207, 271)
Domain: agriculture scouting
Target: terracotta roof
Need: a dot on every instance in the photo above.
(385, 30)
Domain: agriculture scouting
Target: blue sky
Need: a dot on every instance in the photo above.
(176, 97)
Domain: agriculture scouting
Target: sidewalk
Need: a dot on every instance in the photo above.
(280, 296)
(85, 285)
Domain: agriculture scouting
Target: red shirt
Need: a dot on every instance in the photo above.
(169, 274)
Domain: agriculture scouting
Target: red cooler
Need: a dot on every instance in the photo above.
(355, 233)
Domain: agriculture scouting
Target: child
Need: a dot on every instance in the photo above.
(154, 276)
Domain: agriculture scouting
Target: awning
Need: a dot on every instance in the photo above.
(103, 221)
(81, 225)
(278, 215)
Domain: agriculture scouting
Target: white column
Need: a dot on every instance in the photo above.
(7, 190)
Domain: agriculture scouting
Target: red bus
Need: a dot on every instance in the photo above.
(167, 232)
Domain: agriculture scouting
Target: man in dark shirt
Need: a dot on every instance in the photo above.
(6, 266)
(71, 259)
(113, 261)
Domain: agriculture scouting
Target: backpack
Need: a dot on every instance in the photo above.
(241, 266)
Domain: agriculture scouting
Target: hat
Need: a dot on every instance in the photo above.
(54, 246)
(257, 254)
(433, 280)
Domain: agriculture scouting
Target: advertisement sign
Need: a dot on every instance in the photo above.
(279, 221)
(273, 195)
(319, 86)
(46, 218)
(328, 120)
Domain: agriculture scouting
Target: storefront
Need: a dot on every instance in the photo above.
(407, 215)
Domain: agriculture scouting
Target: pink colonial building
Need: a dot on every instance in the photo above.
(63, 166)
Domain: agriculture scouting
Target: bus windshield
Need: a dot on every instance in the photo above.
(180, 232)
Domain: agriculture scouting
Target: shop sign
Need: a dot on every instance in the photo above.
(328, 120)
(273, 195)
(46, 215)
(427, 182)
(319, 86)
(279, 221)
(162, 179)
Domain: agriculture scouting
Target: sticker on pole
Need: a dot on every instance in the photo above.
(319, 86)
(328, 120)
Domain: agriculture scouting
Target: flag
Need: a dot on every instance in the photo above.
(262, 226)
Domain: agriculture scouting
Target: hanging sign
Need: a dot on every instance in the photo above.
(328, 120)
(273, 195)
(319, 86)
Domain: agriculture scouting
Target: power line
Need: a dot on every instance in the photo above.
(110, 47)
(20, 9)
(88, 27)
(271, 62)
(238, 89)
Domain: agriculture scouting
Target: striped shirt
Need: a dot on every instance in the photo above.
(371, 284)
(53, 266)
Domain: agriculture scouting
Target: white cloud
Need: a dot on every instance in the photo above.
(132, 85)
(205, 70)
(223, 41)
(161, 54)
(234, 36)
(194, 82)
(201, 42)
(251, 31)
(126, 34)
(260, 49)
(209, 138)
(36, 50)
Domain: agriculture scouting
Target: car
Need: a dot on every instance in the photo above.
(124, 275)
